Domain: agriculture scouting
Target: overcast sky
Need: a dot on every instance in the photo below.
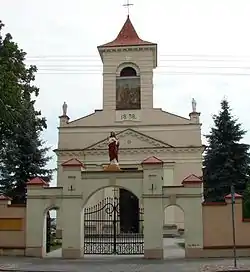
(61, 37)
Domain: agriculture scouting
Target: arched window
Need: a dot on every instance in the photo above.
(128, 72)
(128, 89)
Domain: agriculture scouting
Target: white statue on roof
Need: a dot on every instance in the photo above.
(64, 108)
(194, 105)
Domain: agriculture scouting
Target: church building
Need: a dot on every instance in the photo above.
(143, 131)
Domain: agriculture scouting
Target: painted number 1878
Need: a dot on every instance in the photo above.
(128, 116)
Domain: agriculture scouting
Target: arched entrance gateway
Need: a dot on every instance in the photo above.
(114, 225)
(103, 228)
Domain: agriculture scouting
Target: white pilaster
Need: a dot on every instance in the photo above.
(153, 209)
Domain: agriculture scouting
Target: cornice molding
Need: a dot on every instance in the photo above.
(161, 150)
(110, 127)
(127, 48)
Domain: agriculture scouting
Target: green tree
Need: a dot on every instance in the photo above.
(22, 152)
(15, 79)
(246, 201)
(226, 159)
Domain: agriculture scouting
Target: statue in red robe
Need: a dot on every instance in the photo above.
(113, 145)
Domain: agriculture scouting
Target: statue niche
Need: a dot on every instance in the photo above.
(128, 90)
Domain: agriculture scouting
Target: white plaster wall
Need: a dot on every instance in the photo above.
(109, 192)
(153, 223)
(189, 200)
(168, 175)
(96, 198)
(37, 207)
(72, 203)
(132, 184)
(44, 234)
(169, 213)
(174, 216)
(144, 59)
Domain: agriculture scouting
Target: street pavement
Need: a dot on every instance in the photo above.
(174, 261)
(114, 264)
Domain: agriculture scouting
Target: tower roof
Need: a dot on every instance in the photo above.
(127, 37)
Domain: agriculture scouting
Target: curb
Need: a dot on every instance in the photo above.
(22, 270)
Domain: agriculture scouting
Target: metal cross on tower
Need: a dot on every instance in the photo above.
(127, 5)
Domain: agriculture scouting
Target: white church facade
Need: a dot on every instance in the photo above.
(122, 209)
(143, 131)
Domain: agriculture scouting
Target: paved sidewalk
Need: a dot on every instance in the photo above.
(174, 262)
(114, 264)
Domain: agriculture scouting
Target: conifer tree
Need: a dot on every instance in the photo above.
(22, 152)
(227, 159)
(246, 202)
(15, 79)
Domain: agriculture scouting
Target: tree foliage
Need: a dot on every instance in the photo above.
(22, 152)
(246, 201)
(15, 81)
(227, 159)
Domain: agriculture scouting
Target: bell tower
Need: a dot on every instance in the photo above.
(128, 63)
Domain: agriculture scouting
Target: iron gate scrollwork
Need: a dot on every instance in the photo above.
(103, 233)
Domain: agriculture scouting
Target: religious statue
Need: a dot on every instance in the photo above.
(194, 105)
(113, 145)
(64, 108)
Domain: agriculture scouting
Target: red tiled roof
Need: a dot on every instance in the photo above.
(73, 162)
(37, 181)
(4, 197)
(127, 36)
(152, 160)
(235, 195)
(192, 179)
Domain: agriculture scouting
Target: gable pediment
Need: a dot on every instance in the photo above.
(130, 139)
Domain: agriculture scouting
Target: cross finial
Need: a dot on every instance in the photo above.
(127, 5)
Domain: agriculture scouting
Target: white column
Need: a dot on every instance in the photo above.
(72, 233)
(153, 228)
(153, 208)
(58, 224)
(35, 217)
(193, 228)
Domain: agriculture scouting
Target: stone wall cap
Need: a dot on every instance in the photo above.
(152, 160)
(4, 197)
(73, 163)
(235, 196)
(37, 181)
(192, 179)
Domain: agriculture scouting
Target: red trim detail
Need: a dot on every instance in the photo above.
(73, 163)
(4, 197)
(152, 160)
(192, 179)
(37, 181)
(229, 196)
(127, 37)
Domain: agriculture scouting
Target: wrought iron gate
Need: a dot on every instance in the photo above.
(103, 232)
